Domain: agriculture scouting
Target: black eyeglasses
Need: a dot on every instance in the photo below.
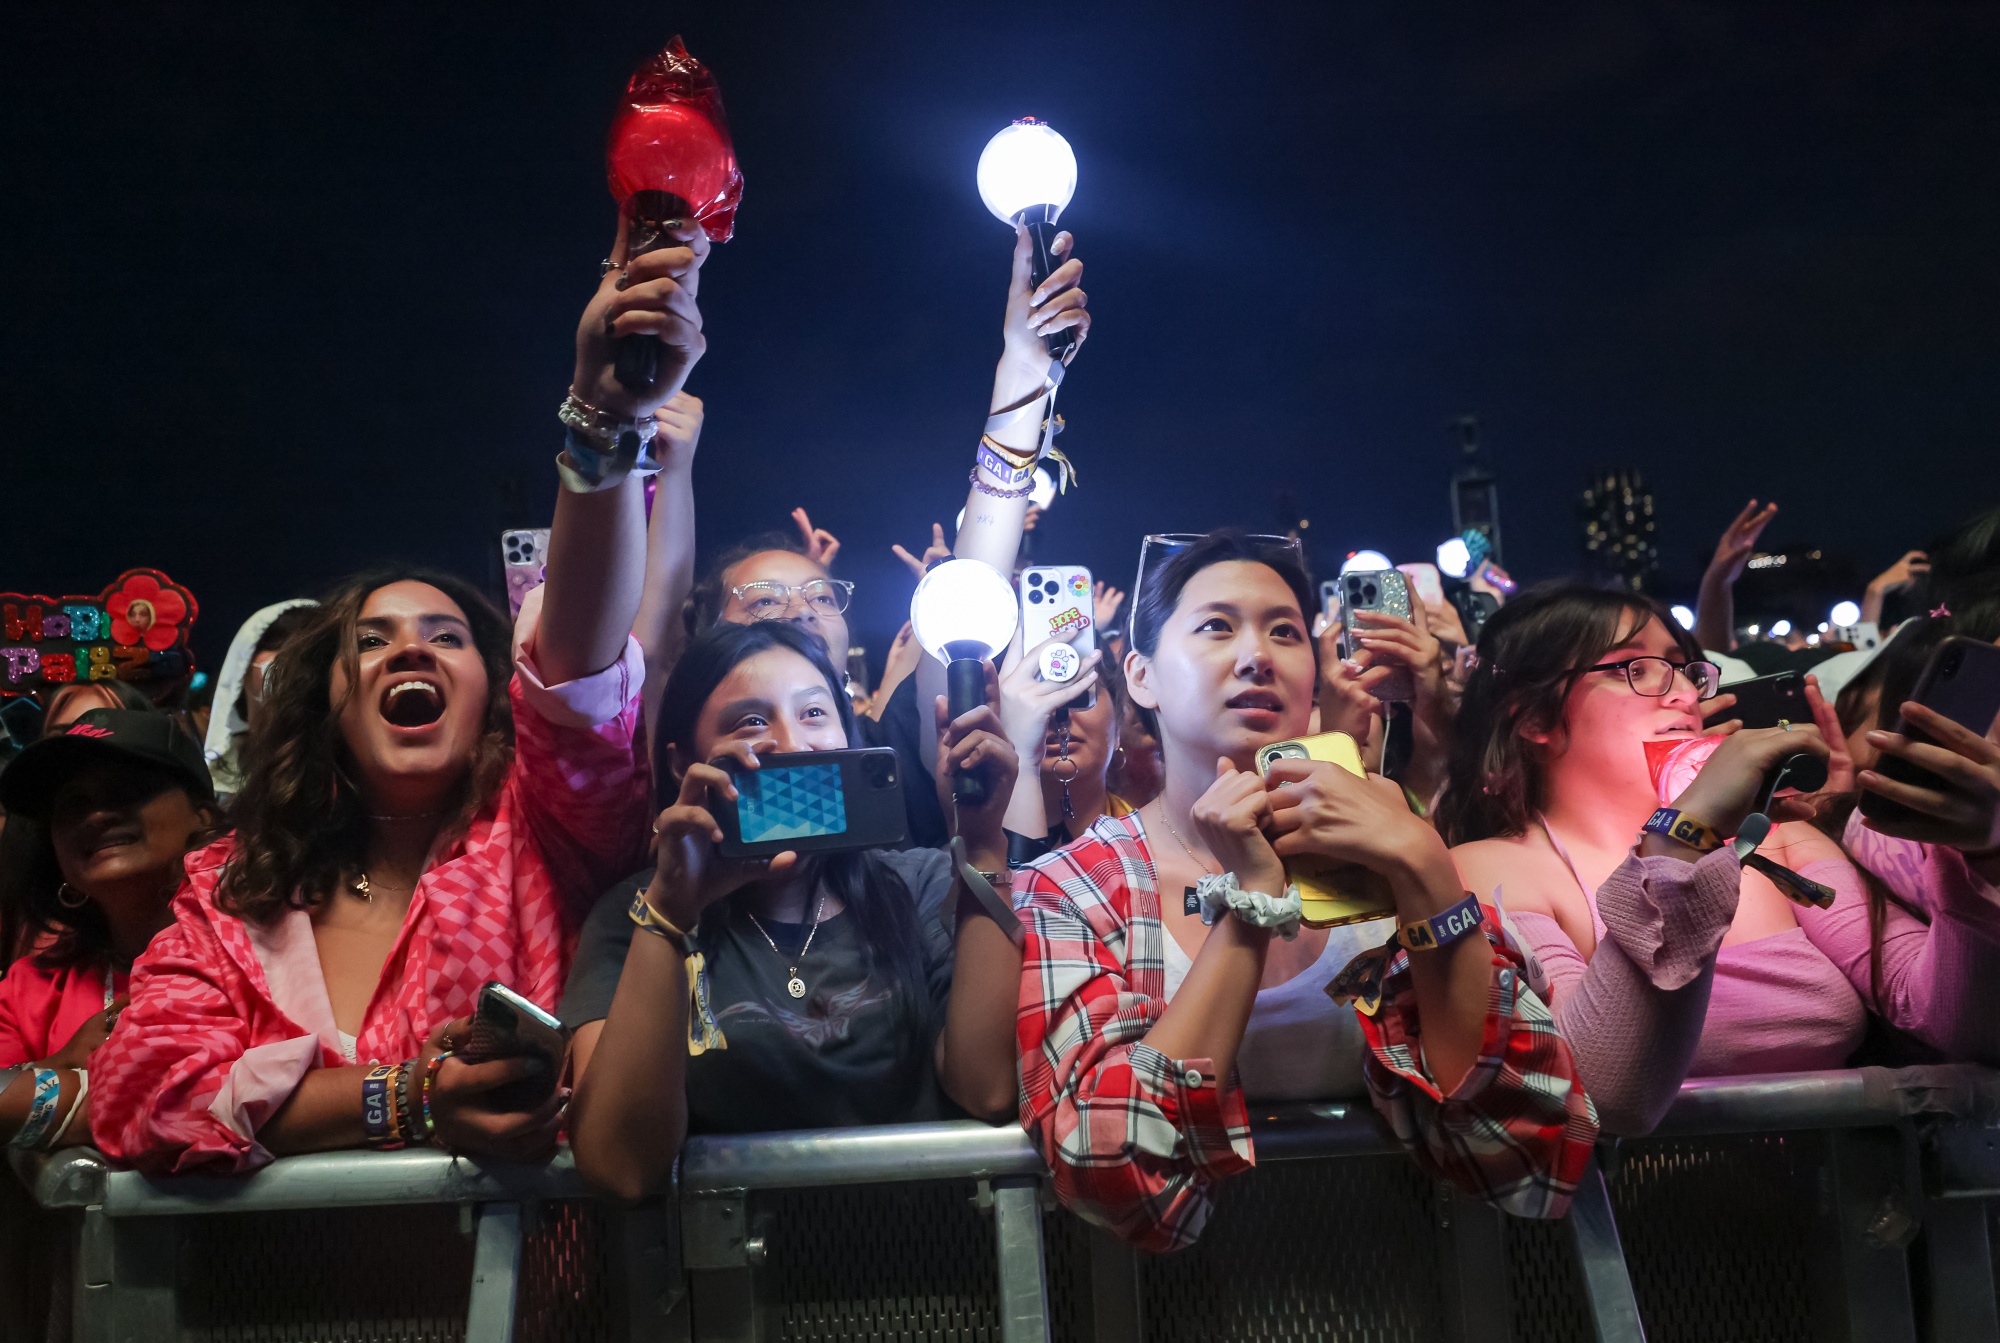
(1654, 676)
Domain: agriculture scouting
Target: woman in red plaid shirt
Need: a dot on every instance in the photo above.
(1141, 1029)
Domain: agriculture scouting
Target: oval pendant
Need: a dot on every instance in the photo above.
(796, 987)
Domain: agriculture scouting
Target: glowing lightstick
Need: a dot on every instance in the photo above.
(1027, 174)
(669, 158)
(964, 612)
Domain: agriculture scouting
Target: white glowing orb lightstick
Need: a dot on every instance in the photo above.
(1454, 557)
(1684, 617)
(1365, 561)
(1027, 175)
(963, 613)
(1845, 613)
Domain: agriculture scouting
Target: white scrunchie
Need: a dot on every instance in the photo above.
(1219, 893)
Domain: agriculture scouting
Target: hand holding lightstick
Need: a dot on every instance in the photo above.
(669, 160)
(963, 612)
(1027, 175)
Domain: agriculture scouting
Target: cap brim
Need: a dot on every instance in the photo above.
(28, 786)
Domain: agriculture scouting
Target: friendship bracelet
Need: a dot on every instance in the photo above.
(656, 923)
(1682, 829)
(376, 1114)
(82, 1090)
(1027, 488)
(41, 1110)
(1219, 892)
(430, 1083)
(1441, 930)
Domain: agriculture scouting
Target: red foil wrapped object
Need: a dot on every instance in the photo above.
(1675, 763)
(670, 137)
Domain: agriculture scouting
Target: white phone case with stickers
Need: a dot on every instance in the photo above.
(1055, 605)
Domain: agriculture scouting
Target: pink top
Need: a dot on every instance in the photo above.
(40, 1009)
(226, 1018)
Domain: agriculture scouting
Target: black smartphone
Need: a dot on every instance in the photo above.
(814, 802)
(1962, 682)
(1763, 701)
(507, 1026)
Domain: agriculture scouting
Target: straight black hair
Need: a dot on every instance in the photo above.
(707, 598)
(883, 909)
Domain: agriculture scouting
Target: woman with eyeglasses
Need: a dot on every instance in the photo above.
(1662, 955)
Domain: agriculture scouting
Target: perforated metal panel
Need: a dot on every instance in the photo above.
(569, 1291)
(877, 1262)
(1321, 1250)
(1544, 1285)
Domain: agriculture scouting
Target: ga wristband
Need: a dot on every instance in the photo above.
(376, 1103)
(1443, 929)
(1681, 829)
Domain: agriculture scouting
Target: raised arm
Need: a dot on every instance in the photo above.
(596, 565)
(1715, 612)
(669, 544)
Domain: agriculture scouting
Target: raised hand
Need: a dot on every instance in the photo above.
(1727, 787)
(652, 294)
(1231, 818)
(1347, 687)
(689, 875)
(1739, 540)
(821, 544)
(680, 431)
(1104, 603)
(975, 743)
(1027, 703)
(935, 551)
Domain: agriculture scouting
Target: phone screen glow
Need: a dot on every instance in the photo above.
(794, 802)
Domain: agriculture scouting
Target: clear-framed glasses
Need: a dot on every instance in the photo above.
(1157, 549)
(773, 601)
(1654, 676)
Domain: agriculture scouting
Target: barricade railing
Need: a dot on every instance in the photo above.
(1790, 1197)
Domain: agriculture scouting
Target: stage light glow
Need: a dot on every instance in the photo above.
(1044, 492)
(1845, 613)
(1455, 557)
(1780, 628)
(1365, 560)
(1025, 166)
(1683, 617)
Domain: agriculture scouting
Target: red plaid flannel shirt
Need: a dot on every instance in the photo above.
(504, 901)
(1135, 1139)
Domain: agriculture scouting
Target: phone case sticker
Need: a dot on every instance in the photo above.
(790, 803)
(1079, 585)
(1066, 623)
(1059, 662)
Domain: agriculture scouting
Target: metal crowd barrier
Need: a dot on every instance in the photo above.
(1843, 1205)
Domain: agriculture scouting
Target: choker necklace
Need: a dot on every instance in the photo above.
(794, 986)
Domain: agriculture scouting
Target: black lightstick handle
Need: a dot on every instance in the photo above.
(638, 361)
(965, 690)
(1044, 232)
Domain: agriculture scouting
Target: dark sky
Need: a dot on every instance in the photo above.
(286, 292)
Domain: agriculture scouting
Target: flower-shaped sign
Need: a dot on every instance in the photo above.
(136, 630)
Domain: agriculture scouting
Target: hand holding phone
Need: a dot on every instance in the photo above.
(509, 1026)
(1332, 891)
(1380, 590)
(812, 802)
(1960, 687)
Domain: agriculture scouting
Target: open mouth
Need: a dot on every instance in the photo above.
(412, 704)
(1259, 700)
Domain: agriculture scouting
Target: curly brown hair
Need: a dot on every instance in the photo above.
(1528, 651)
(300, 824)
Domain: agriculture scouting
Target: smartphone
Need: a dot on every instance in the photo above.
(814, 802)
(1425, 581)
(1329, 597)
(1762, 701)
(1330, 892)
(1962, 682)
(1056, 613)
(1475, 608)
(1383, 590)
(525, 554)
(507, 1026)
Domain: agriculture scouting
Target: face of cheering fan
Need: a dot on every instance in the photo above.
(794, 570)
(772, 701)
(119, 831)
(1233, 669)
(412, 717)
(1606, 722)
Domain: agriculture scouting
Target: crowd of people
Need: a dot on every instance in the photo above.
(280, 945)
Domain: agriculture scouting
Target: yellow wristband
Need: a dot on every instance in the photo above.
(656, 923)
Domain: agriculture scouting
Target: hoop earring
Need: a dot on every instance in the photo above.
(62, 897)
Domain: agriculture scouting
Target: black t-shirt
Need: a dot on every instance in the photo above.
(849, 1053)
(902, 729)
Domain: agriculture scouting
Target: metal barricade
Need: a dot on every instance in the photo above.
(1850, 1205)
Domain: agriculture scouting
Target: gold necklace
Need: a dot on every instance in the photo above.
(794, 986)
(1190, 902)
(367, 892)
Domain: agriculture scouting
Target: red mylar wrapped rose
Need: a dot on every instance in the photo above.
(1675, 763)
(670, 137)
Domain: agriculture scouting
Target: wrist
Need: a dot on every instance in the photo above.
(1424, 882)
(987, 853)
(676, 906)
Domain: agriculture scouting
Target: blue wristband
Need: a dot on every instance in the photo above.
(41, 1110)
(1441, 930)
(375, 1115)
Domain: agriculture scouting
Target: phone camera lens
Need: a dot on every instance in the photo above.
(879, 771)
(1949, 665)
(1034, 594)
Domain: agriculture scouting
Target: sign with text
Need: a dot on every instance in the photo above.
(135, 630)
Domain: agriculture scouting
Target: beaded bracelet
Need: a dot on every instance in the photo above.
(1027, 488)
(430, 1082)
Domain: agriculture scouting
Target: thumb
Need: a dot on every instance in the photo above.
(1024, 259)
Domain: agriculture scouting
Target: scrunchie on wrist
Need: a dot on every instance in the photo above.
(1219, 893)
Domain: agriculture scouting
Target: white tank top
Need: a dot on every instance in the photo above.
(1300, 1045)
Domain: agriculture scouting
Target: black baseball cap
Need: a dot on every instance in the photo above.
(140, 736)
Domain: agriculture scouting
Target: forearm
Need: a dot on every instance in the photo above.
(1715, 613)
(1207, 1017)
(323, 1115)
(629, 1114)
(1453, 982)
(1871, 605)
(596, 571)
(976, 1052)
(670, 548)
(1027, 809)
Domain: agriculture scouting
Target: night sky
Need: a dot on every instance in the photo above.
(285, 293)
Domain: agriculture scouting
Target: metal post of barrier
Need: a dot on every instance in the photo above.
(1114, 1289)
(1473, 1254)
(1614, 1310)
(1958, 1263)
(1024, 1280)
(1873, 1223)
(496, 1274)
(125, 1279)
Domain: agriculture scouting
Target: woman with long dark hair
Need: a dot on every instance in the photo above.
(863, 987)
(1155, 999)
(424, 813)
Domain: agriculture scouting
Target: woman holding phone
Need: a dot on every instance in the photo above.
(830, 989)
(424, 809)
(1142, 1028)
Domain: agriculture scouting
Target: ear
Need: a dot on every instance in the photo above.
(1138, 680)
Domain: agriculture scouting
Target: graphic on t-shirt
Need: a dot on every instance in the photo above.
(790, 803)
(836, 1026)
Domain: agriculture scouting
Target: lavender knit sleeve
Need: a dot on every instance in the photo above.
(1940, 980)
(1633, 1014)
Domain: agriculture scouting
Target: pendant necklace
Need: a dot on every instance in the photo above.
(794, 986)
(1190, 902)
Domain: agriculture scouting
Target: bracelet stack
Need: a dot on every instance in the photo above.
(395, 1105)
(601, 449)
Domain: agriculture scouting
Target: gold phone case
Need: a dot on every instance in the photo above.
(1331, 893)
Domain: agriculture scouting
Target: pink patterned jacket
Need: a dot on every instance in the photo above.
(226, 1017)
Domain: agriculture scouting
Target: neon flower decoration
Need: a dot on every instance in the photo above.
(136, 630)
(145, 612)
(671, 139)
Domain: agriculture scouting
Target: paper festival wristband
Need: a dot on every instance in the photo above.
(41, 1109)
